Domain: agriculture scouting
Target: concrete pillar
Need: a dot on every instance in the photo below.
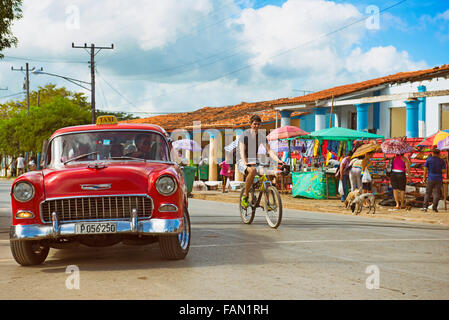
(362, 116)
(336, 122)
(238, 176)
(285, 117)
(376, 113)
(320, 118)
(422, 113)
(188, 153)
(412, 118)
(212, 157)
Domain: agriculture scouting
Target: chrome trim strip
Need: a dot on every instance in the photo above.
(170, 207)
(96, 196)
(95, 187)
(146, 227)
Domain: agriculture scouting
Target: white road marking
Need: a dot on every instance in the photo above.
(310, 241)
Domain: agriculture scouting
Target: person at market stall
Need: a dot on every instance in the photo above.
(355, 174)
(344, 174)
(249, 144)
(225, 172)
(367, 181)
(434, 168)
(398, 179)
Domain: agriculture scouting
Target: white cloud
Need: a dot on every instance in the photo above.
(380, 61)
(181, 55)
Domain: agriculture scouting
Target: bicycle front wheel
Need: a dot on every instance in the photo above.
(273, 207)
(247, 214)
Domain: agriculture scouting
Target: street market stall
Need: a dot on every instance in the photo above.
(316, 179)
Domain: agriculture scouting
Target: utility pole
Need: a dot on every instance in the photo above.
(27, 84)
(92, 72)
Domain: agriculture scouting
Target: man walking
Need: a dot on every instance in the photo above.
(435, 167)
(20, 165)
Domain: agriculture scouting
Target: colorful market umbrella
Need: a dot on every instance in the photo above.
(186, 144)
(394, 146)
(434, 138)
(443, 144)
(286, 132)
(279, 146)
(366, 148)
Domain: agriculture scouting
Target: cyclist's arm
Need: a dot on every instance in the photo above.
(242, 152)
(272, 154)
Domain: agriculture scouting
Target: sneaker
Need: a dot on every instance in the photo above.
(435, 210)
(244, 202)
(424, 209)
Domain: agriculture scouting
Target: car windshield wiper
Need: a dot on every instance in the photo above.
(126, 158)
(80, 157)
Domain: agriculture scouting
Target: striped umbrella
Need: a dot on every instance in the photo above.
(365, 148)
(434, 138)
(394, 146)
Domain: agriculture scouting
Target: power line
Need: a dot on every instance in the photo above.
(282, 52)
(110, 86)
(14, 94)
(42, 60)
(92, 71)
(186, 35)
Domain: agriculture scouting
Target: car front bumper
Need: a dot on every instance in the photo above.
(133, 226)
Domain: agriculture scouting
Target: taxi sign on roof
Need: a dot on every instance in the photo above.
(107, 120)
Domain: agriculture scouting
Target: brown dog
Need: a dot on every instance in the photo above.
(351, 196)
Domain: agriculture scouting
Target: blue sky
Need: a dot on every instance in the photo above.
(172, 56)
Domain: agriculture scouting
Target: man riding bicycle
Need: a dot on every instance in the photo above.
(248, 164)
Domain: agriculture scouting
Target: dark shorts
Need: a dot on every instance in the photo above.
(367, 186)
(398, 180)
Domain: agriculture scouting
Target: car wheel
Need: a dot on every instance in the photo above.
(175, 247)
(29, 252)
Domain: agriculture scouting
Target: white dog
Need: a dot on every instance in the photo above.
(351, 196)
(359, 201)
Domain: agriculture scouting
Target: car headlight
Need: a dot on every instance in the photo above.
(23, 191)
(166, 185)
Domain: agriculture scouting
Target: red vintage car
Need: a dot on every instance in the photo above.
(101, 184)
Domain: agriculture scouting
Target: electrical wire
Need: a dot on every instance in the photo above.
(276, 55)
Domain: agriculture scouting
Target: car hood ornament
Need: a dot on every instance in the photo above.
(96, 186)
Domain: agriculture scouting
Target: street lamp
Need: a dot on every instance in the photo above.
(75, 81)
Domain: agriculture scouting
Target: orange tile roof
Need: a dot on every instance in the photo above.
(238, 115)
(214, 117)
(400, 77)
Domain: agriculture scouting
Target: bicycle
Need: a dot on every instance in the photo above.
(262, 186)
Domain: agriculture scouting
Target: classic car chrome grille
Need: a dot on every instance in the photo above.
(89, 208)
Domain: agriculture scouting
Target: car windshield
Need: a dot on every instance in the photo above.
(108, 145)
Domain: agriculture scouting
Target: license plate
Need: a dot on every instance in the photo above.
(95, 227)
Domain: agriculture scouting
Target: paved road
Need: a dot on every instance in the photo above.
(310, 256)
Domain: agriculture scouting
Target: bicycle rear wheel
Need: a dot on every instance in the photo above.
(247, 214)
(273, 207)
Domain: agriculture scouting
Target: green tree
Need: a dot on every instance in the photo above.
(10, 10)
(43, 96)
(20, 132)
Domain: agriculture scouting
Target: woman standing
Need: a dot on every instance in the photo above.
(367, 184)
(398, 179)
(344, 174)
(355, 174)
